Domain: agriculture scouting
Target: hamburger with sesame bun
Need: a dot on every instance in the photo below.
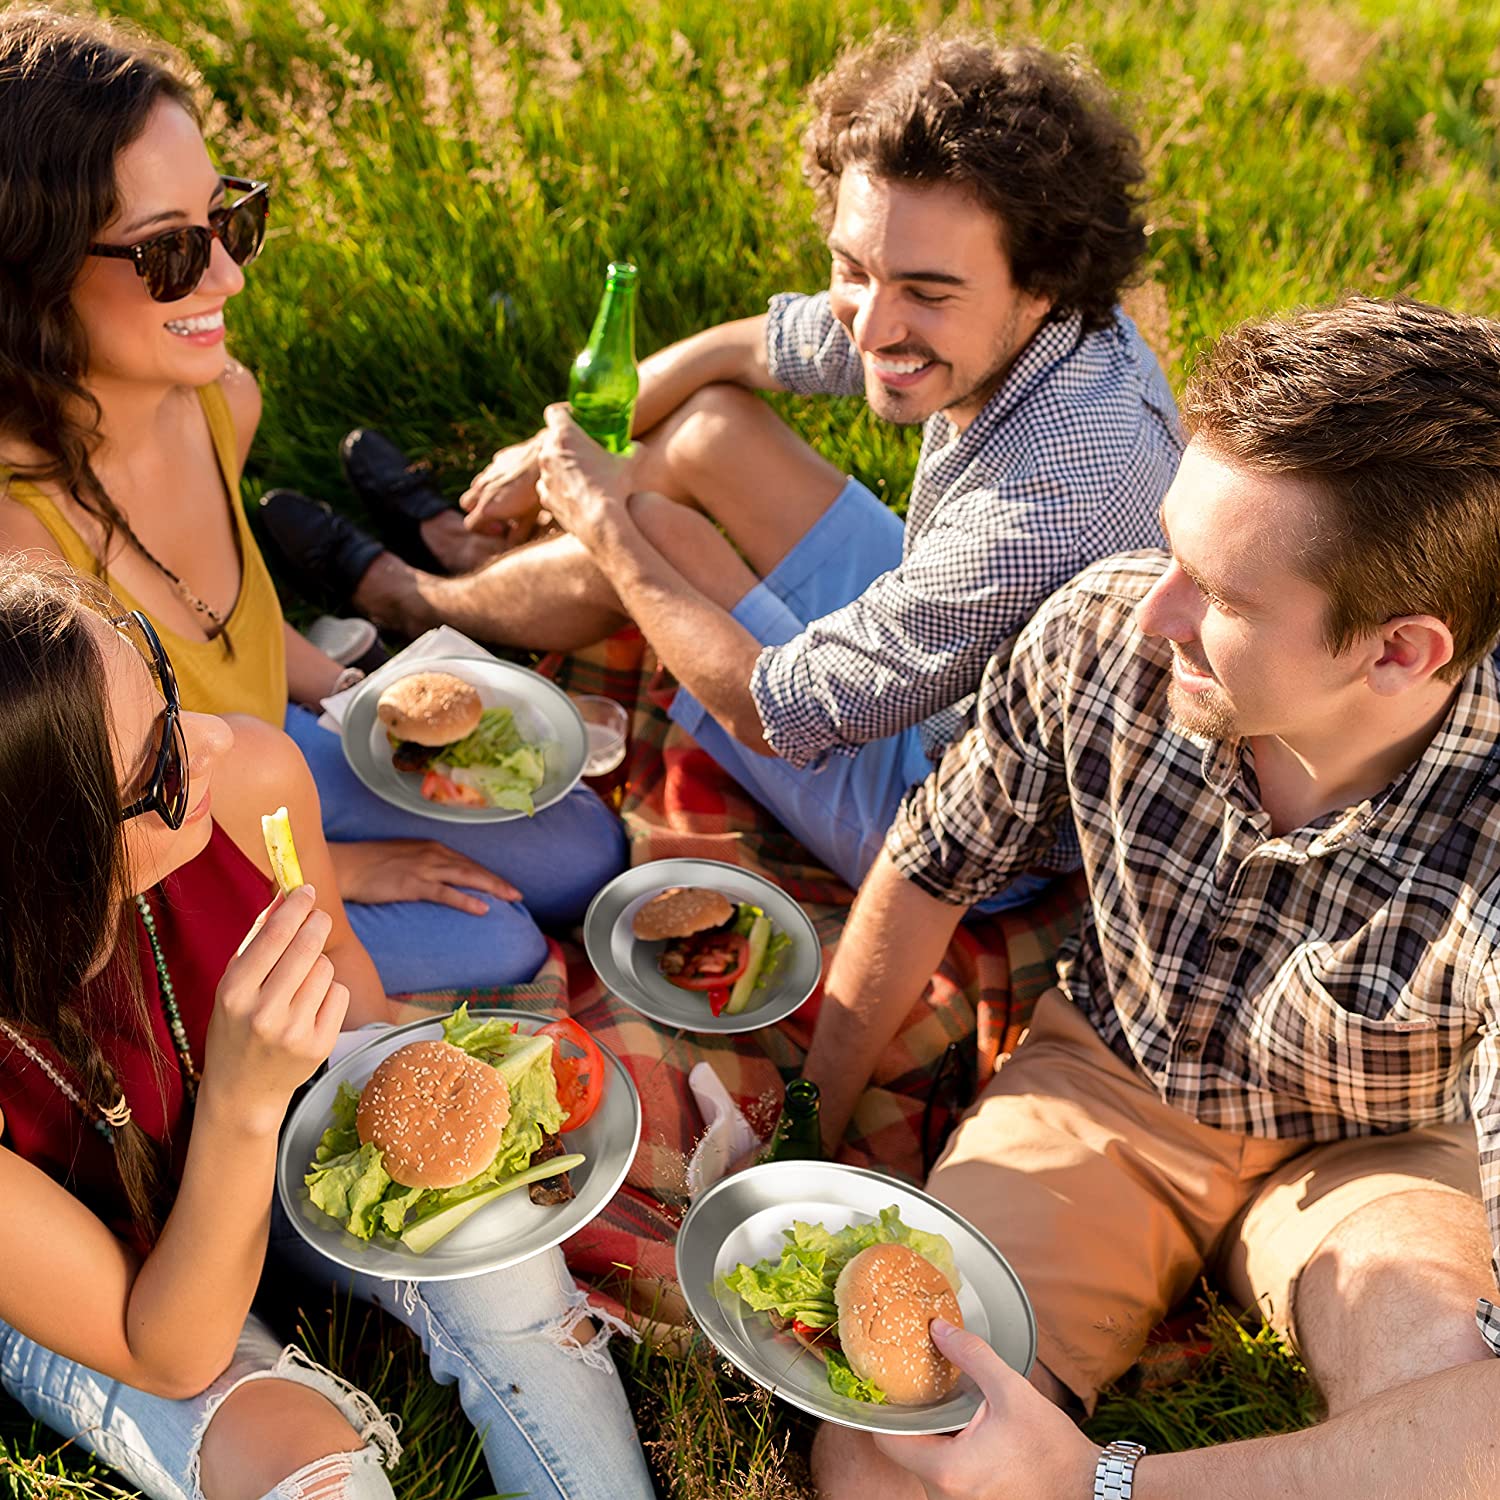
(862, 1299)
(436, 1113)
(440, 1129)
(887, 1297)
(726, 949)
(466, 754)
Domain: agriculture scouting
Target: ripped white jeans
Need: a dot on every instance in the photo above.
(553, 1415)
(153, 1442)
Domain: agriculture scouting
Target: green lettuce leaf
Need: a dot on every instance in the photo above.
(488, 743)
(348, 1187)
(800, 1284)
(846, 1383)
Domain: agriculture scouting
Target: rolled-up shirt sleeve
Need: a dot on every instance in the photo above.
(917, 639)
(993, 806)
(1484, 1104)
(808, 350)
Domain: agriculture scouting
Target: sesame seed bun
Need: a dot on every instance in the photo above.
(430, 708)
(681, 912)
(886, 1297)
(436, 1114)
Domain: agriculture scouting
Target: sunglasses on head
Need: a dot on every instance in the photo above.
(173, 263)
(166, 792)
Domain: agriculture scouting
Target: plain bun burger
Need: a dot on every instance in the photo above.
(430, 708)
(887, 1296)
(435, 1112)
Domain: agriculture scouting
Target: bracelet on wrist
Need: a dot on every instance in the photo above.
(346, 679)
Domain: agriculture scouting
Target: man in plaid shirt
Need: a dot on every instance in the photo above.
(1279, 748)
(981, 205)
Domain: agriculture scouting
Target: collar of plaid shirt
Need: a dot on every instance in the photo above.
(1337, 980)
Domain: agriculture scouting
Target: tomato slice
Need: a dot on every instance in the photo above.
(438, 788)
(579, 1079)
(705, 961)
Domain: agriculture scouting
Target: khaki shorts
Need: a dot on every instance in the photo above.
(1110, 1203)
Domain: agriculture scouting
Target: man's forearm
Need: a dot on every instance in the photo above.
(733, 352)
(1434, 1439)
(894, 939)
(701, 644)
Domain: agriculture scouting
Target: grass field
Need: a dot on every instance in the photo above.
(451, 179)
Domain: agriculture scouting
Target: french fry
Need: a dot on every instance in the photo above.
(277, 830)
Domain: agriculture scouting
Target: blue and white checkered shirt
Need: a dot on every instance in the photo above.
(1067, 463)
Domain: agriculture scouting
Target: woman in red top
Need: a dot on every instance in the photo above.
(148, 1053)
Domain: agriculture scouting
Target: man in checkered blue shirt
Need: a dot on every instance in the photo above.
(982, 213)
(1274, 1053)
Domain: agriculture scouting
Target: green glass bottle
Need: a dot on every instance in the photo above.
(603, 383)
(799, 1132)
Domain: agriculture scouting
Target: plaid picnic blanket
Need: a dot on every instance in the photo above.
(677, 802)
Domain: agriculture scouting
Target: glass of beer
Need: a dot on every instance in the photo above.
(607, 725)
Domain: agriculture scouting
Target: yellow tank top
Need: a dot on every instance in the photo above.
(253, 681)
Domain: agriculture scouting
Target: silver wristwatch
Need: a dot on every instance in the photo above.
(1114, 1478)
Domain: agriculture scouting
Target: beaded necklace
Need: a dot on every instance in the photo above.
(117, 1116)
(169, 1003)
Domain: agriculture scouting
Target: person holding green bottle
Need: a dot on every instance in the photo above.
(983, 213)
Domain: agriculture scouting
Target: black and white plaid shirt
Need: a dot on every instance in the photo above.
(1339, 980)
(1066, 463)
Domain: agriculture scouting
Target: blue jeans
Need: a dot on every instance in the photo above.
(557, 860)
(842, 810)
(554, 1419)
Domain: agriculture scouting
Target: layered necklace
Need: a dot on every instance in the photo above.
(108, 1120)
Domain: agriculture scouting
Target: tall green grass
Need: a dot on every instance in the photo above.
(452, 178)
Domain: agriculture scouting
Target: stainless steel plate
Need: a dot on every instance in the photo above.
(511, 1229)
(544, 714)
(741, 1219)
(628, 968)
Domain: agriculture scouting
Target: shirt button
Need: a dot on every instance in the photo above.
(1191, 1047)
(1228, 945)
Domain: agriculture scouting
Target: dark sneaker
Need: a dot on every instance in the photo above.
(399, 493)
(325, 553)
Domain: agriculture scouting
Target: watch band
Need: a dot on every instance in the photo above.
(1114, 1478)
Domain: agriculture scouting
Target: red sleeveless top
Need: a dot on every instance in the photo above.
(202, 912)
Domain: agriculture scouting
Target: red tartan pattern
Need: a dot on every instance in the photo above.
(677, 802)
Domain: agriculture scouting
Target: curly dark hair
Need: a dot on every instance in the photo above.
(74, 92)
(1390, 411)
(1033, 135)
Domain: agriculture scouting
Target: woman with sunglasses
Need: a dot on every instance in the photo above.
(148, 1053)
(123, 430)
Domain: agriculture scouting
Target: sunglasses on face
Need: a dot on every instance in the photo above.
(174, 262)
(166, 792)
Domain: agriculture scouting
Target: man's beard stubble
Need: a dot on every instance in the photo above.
(1204, 715)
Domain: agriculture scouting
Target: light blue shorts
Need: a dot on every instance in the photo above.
(842, 810)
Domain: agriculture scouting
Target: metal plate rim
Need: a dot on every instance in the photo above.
(598, 931)
(846, 1413)
(356, 714)
(292, 1192)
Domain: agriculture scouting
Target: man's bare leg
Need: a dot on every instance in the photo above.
(1389, 1297)
(547, 596)
(724, 451)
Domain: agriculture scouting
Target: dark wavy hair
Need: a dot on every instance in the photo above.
(63, 866)
(1389, 410)
(1033, 135)
(74, 92)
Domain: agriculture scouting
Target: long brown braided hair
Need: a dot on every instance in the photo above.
(64, 876)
